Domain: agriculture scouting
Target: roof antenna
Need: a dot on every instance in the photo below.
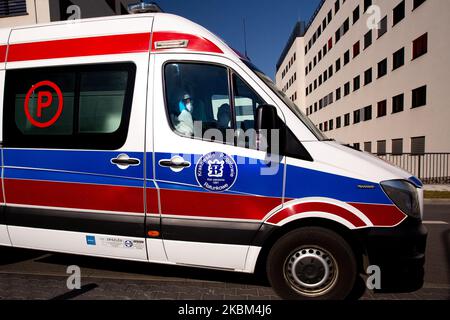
(245, 38)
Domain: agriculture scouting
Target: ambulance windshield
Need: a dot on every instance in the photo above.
(300, 115)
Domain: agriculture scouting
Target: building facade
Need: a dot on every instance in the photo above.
(28, 12)
(373, 74)
(23, 12)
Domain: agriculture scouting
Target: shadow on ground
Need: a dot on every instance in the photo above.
(14, 255)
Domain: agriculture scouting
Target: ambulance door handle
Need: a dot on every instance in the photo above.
(177, 164)
(124, 162)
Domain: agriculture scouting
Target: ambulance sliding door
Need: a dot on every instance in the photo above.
(74, 137)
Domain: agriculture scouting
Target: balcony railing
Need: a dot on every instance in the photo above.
(431, 168)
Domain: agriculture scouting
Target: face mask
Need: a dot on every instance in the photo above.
(189, 107)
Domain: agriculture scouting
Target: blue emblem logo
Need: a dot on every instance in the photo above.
(216, 171)
(128, 243)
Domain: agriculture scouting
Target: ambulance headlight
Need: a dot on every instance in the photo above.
(404, 195)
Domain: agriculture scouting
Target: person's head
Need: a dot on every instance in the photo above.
(224, 116)
(186, 103)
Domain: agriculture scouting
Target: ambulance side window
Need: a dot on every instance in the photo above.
(86, 107)
(198, 100)
(246, 101)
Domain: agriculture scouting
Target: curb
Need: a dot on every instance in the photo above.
(437, 201)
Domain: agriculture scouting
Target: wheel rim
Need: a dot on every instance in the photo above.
(311, 271)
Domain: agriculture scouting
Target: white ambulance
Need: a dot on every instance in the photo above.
(146, 137)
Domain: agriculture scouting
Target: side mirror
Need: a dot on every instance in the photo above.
(266, 122)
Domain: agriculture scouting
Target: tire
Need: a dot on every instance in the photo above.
(312, 263)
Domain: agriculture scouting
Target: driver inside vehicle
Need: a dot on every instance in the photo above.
(184, 122)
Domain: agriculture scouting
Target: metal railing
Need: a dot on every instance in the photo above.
(431, 168)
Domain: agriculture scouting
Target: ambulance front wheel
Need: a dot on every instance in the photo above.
(312, 263)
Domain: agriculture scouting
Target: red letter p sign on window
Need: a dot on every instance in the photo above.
(41, 104)
(44, 100)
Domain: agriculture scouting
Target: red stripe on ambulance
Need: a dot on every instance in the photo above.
(216, 205)
(92, 46)
(381, 215)
(74, 195)
(3, 53)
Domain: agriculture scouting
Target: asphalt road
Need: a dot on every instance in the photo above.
(26, 274)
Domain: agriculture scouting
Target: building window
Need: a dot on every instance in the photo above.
(347, 120)
(315, 84)
(320, 127)
(367, 4)
(356, 50)
(346, 26)
(338, 94)
(347, 89)
(315, 107)
(331, 124)
(346, 57)
(417, 3)
(397, 147)
(398, 103)
(338, 35)
(330, 16)
(324, 50)
(381, 147)
(368, 39)
(367, 76)
(338, 122)
(330, 71)
(368, 113)
(382, 108)
(419, 97)
(420, 46)
(330, 43)
(418, 145)
(336, 6)
(399, 12)
(398, 59)
(356, 15)
(382, 68)
(368, 147)
(382, 28)
(320, 80)
(320, 55)
(338, 64)
(325, 126)
(356, 146)
(356, 83)
(13, 8)
(356, 116)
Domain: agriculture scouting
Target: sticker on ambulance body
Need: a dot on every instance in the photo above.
(121, 243)
(216, 172)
